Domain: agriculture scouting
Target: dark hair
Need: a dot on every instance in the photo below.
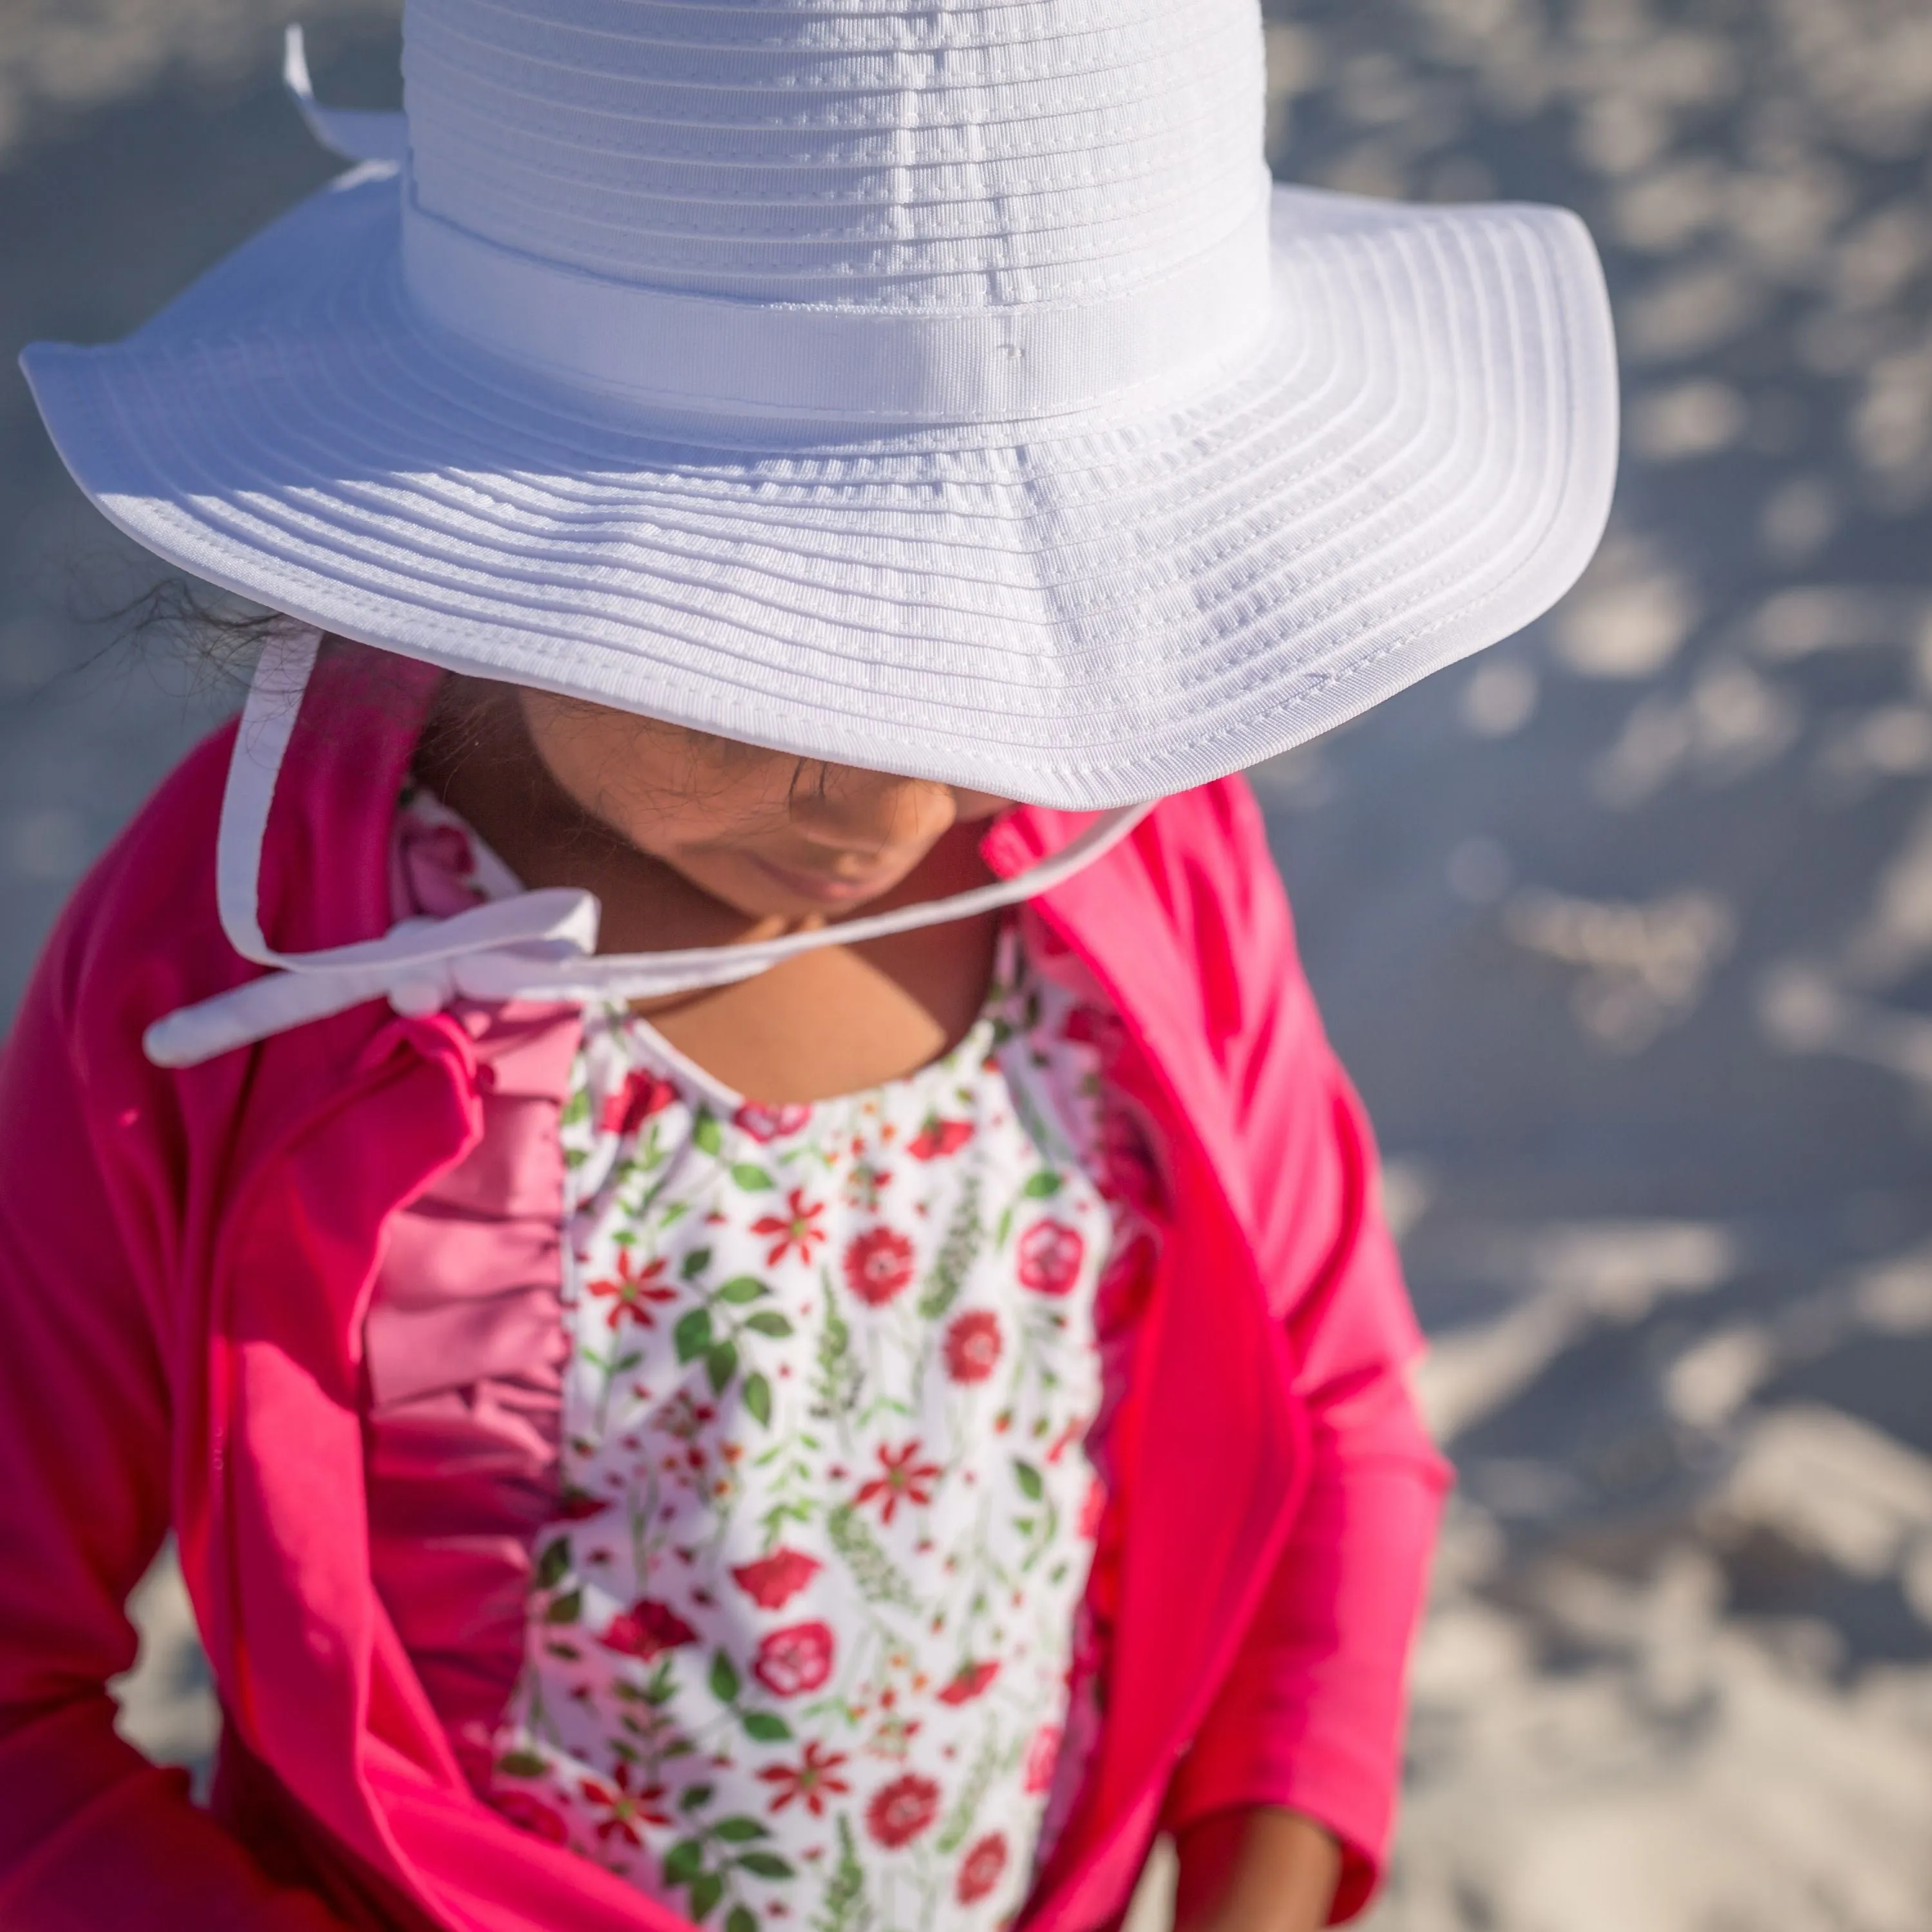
(219, 637)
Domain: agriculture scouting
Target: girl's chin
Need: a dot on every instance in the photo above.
(817, 892)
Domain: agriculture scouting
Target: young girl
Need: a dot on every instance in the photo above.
(746, 1280)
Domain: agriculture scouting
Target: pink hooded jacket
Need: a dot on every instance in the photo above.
(185, 1257)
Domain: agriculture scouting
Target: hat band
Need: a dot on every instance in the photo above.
(1173, 332)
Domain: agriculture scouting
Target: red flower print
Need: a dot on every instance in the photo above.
(773, 1580)
(632, 1289)
(531, 1815)
(900, 1479)
(1092, 1509)
(684, 1418)
(795, 1660)
(767, 1124)
(1049, 1254)
(793, 1228)
(899, 1811)
(1093, 1026)
(642, 1095)
(937, 1138)
(981, 1869)
(878, 1264)
(1075, 1429)
(809, 1781)
(973, 1345)
(647, 1630)
(1127, 1169)
(967, 1682)
(1042, 1754)
(624, 1808)
(864, 1184)
(893, 1738)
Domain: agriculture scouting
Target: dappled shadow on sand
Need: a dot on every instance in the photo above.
(1627, 932)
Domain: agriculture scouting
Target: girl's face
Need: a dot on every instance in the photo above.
(768, 833)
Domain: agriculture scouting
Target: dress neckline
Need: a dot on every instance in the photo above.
(482, 872)
(973, 1045)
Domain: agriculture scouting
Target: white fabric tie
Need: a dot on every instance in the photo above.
(354, 134)
(538, 945)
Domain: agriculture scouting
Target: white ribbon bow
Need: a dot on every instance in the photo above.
(535, 945)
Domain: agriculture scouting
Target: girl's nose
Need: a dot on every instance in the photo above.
(871, 812)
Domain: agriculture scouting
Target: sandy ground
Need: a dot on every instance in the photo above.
(1626, 930)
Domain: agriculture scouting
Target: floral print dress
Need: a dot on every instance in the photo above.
(813, 1637)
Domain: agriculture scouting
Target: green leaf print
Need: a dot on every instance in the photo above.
(758, 1398)
(694, 1264)
(553, 1564)
(964, 1233)
(725, 1679)
(764, 1864)
(972, 1794)
(737, 1830)
(765, 1727)
(705, 1132)
(741, 1288)
(1042, 1187)
(692, 1334)
(577, 1109)
(566, 1609)
(695, 1797)
(1031, 1486)
(650, 1155)
(741, 1918)
(683, 1861)
(843, 1907)
(753, 1179)
(836, 1391)
(705, 1893)
(768, 1321)
(522, 1764)
(878, 1580)
(721, 1364)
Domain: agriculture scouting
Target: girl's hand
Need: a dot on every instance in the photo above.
(1262, 1869)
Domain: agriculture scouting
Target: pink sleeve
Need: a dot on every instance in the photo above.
(91, 1835)
(1310, 1717)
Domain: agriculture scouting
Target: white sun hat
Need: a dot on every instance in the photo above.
(939, 388)
(946, 391)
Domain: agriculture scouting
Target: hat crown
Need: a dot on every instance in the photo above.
(877, 155)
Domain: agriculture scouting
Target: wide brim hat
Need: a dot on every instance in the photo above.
(979, 413)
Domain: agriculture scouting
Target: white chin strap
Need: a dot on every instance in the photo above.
(536, 946)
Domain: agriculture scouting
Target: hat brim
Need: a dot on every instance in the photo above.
(1081, 612)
